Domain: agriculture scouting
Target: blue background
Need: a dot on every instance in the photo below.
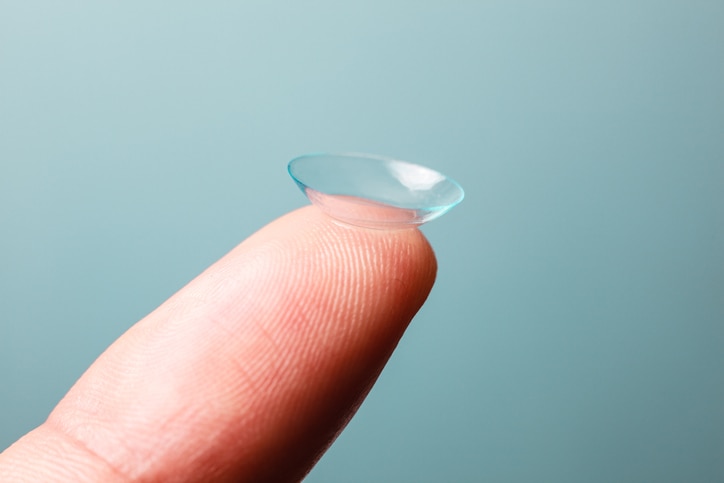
(576, 330)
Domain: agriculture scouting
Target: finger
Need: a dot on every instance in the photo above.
(249, 372)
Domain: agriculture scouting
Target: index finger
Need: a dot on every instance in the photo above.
(249, 372)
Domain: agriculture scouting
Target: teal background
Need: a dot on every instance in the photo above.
(576, 330)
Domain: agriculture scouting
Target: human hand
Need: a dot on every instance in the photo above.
(246, 374)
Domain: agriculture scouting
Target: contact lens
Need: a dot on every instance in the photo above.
(374, 191)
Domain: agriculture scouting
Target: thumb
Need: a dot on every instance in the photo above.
(249, 372)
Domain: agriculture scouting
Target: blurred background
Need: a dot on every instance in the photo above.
(576, 330)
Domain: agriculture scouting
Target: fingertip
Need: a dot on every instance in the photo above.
(250, 371)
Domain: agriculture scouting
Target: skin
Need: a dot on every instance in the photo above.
(246, 374)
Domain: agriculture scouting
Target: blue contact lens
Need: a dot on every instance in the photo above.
(374, 191)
